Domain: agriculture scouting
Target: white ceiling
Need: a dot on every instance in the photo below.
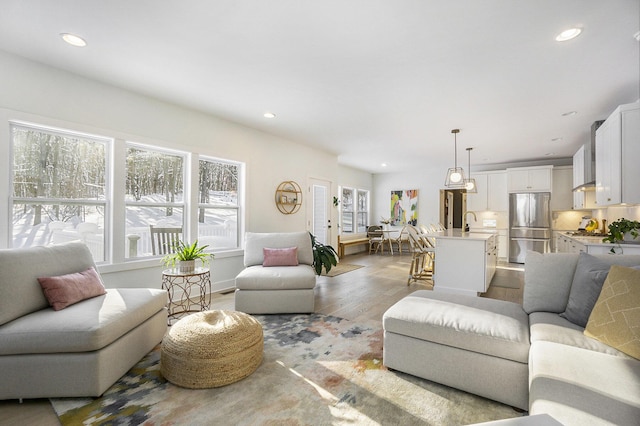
(371, 80)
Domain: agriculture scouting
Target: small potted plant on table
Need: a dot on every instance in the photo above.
(185, 256)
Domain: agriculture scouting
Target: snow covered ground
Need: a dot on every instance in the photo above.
(219, 230)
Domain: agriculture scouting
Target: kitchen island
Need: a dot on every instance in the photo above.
(465, 261)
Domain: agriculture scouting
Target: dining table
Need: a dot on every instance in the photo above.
(388, 236)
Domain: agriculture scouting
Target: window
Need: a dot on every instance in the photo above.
(154, 195)
(363, 210)
(346, 216)
(218, 206)
(60, 188)
(354, 216)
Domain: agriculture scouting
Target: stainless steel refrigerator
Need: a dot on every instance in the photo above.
(529, 224)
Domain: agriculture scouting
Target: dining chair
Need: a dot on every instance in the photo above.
(402, 239)
(438, 227)
(376, 238)
(423, 257)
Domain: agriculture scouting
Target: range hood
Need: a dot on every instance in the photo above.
(587, 186)
(590, 160)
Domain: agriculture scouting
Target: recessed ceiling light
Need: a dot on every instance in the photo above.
(383, 164)
(73, 40)
(570, 113)
(269, 115)
(569, 34)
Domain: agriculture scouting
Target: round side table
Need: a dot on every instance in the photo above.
(187, 291)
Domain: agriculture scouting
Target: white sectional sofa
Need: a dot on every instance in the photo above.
(289, 288)
(529, 356)
(78, 351)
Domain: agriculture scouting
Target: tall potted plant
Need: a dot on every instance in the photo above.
(323, 255)
(185, 255)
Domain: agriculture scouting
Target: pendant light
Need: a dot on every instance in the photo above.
(470, 184)
(455, 176)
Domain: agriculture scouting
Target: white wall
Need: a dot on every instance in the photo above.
(354, 178)
(33, 92)
(428, 182)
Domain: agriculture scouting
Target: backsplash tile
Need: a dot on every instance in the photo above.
(567, 220)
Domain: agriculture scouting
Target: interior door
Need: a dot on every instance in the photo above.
(320, 221)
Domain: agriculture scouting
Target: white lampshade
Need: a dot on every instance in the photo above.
(455, 175)
(470, 186)
(455, 178)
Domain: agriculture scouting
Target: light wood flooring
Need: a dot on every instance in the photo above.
(363, 294)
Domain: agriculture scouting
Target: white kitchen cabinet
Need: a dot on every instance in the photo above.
(617, 154)
(562, 188)
(582, 200)
(498, 198)
(557, 242)
(618, 249)
(529, 179)
(465, 263)
(578, 167)
(503, 244)
(478, 202)
(566, 244)
(492, 192)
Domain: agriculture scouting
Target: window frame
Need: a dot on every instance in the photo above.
(239, 198)
(365, 210)
(116, 258)
(183, 205)
(105, 203)
(354, 209)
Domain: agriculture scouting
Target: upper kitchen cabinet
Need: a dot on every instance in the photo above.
(617, 154)
(498, 199)
(562, 194)
(492, 192)
(583, 199)
(529, 179)
(478, 202)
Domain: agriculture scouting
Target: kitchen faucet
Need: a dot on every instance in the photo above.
(465, 225)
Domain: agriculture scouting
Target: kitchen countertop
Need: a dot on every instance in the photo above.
(459, 234)
(591, 240)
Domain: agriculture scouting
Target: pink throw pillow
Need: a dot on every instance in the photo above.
(66, 290)
(280, 256)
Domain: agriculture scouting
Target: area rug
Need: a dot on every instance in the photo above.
(341, 268)
(317, 370)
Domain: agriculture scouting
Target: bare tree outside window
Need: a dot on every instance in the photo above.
(218, 209)
(59, 188)
(154, 195)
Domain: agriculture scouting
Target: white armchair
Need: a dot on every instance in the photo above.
(276, 289)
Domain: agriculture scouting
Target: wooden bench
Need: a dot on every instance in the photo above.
(350, 242)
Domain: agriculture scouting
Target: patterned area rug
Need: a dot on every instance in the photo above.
(341, 268)
(317, 370)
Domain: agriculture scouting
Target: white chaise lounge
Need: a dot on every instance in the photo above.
(537, 356)
(78, 351)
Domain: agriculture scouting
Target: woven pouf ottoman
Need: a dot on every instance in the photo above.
(211, 349)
